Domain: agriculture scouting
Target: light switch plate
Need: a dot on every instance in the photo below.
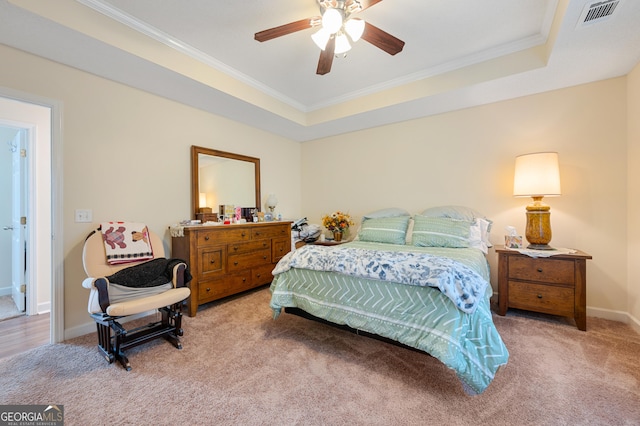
(84, 215)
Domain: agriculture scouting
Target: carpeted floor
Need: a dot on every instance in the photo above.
(240, 367)
(8, 308)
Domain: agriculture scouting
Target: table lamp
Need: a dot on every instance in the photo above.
(537, 175)
(272, 202)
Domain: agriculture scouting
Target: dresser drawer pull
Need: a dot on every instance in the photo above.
(539, 269)
(257, 233)
(206, 238)
(259, 275)
(264, 257)
(208, 289)
(213, 261)
(243, 233)
(235, 263)
(539, 296)
(235, 248)
(244, 279)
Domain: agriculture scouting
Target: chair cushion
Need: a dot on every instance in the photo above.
(148, 303)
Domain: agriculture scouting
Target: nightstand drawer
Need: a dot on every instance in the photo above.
(555, 271)
(542, 298)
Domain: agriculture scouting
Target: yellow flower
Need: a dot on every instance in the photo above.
(337, 221)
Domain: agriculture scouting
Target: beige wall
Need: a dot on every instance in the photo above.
(126, 157)
(467, 158)
(116, 138)
(633, 102)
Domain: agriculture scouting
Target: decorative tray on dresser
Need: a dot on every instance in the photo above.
(554, 285)
(229, 259)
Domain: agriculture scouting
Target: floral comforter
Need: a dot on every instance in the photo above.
(464, 286)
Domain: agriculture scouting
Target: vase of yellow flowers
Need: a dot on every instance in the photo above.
(337, 222)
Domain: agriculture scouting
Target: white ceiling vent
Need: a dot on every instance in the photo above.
(597, 12)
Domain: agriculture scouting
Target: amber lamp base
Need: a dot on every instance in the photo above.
(538, 230)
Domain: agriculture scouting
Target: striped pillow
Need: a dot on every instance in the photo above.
(390, 230)
(440, 232)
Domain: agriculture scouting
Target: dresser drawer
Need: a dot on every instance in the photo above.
(549, 299)
(279, 248)
(271, 231)
(238, 262)
(542, 270)
(262, 275)
(221, 287)
(249, 247)
(212, 260)
(222, 235)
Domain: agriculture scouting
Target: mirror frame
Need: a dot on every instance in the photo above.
(195, 173)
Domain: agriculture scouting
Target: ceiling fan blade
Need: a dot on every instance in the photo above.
(382, 39)
(326, 57)
(368, 3)
(285, 29)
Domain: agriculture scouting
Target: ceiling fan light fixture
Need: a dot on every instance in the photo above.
(321, 38)
(342, 44)
(332, 20)
(354, 27)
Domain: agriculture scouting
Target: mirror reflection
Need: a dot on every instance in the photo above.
(223, 178)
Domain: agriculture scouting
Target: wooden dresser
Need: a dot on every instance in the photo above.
(229, 259)
(552, 285)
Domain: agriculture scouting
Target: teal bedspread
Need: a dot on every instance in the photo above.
(420, 317)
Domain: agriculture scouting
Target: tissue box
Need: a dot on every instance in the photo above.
(513, 241)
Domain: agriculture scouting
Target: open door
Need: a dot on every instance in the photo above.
(18, 221)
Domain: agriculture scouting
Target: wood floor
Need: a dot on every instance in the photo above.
(23, 333)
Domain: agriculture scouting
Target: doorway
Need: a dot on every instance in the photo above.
(37, 257)
(13, 267)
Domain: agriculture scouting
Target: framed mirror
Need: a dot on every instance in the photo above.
(223, 178)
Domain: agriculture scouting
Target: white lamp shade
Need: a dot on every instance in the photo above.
(537, 174)
(355, 28)
(321, 37)
(342, 44)
(332, 20)
(203, 199)
(272, 201)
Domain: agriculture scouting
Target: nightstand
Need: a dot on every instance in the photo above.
(552, 285)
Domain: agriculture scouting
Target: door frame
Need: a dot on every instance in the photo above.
(56, 206)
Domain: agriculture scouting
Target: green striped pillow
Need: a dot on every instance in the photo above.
(440, 232)
(390, 230)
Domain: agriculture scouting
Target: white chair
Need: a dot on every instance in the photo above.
(109, 301)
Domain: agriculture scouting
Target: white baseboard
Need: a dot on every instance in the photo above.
(43, 308)
(620, 316)
(5, 291)
(90, 327)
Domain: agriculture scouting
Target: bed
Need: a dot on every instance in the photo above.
(422, 281)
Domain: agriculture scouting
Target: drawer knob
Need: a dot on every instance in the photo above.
(235, 263)
(264, 257)
(213, 261)
(539, 269)
(259, 275)
(208, 289)
(539, 296)
(244, 279)
(243, 234)
(257, 233)
(235, 248)
(206, 238)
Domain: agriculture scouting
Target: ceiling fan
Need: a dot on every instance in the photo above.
(336, 28)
